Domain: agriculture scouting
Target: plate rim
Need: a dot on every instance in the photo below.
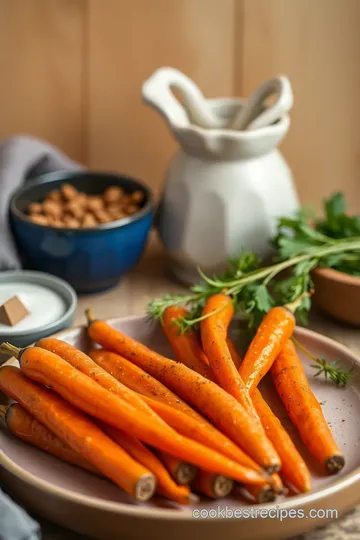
(185, 514)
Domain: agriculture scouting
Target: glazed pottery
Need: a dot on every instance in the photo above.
(224, 189)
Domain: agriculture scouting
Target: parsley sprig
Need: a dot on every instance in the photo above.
(301, 244)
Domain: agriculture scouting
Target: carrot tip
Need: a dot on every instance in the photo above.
(10, 350)
(334, 464)
(185, 473)
(89, 314)
(145, 487)
(3, 411)
(222, 486)
(193, 499)
(271, 469)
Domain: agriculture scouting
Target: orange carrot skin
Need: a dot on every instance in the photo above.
(202, 431)
(24, 426)
(304, 409)
(86, 365)
(81, 391)
(275, 329)
(221, 408)
(166, 485)
(179, 415)
(207, 484)
(75, 429)
(138, 380)
(213, 332)
(293, 467)
(182, 472)
(185, 345)
(233, 351)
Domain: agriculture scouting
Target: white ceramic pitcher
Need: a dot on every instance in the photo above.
(225, 189)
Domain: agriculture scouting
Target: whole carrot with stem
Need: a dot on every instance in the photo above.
(79, 432)
(218, 313)
(82, 392)
(293, 467)
(304, 409)
(183, 473)
(137, 450)
(274, 330)
(174, 411)
(185, 344)
(267, 492)
(225, 412)
(24, 426)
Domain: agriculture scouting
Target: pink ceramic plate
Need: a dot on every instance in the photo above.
(90, 505)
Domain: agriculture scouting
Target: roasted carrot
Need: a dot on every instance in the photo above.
(185, 345)
(179, 415)
(165, 484)
(293, 467)
(213, 331)
(24, 426)
(274, 330)
(233, 351)
(304, 409)
(81, 391)
(224, 411)
(86, 365)
(75, 429)
(138, 380)
(214, 486)
(182, 472)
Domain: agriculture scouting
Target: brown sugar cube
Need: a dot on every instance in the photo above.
(131, 209)
(54, 195)
(95, 203)
(126, 200)
(35, 208)
(53, 209)
(89, 220)
(69, 192)
(113, 194)
(74, 209)
(137, 196)
(39, 219)
(13, 311)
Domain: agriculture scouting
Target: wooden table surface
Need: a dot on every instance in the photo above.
(150, 280)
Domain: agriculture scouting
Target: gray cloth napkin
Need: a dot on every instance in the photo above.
(15, 524)
(23, 157)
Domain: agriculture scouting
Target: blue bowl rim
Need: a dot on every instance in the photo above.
(47, 178)
(45, 279)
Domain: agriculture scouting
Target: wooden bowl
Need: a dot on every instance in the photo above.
(338, 294)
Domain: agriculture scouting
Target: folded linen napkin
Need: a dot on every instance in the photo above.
(15, 524)
(21, 158)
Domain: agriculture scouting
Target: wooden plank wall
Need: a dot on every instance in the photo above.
(72, 72)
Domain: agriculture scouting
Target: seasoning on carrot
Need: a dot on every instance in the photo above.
(86, 365)
(274, 330)
(214, 486)
(293, 467)
(182, 472)
(185, 345)
(24, 426)
(165, 484)
(83, 436)
(213, 331)
(80, 390)
(174, 411)
(304, 409)
(222, 409)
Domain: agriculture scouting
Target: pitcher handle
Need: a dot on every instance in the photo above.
(156, 91)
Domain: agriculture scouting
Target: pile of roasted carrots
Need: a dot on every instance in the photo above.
(194, 425)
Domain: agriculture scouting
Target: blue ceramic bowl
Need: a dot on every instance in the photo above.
(92, 259)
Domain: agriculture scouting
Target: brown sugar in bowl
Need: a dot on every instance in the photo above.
(338, 294)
